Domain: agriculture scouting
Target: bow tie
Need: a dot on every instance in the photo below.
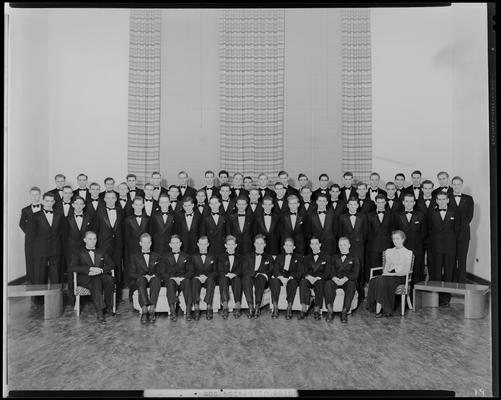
(230, 254)
(175, 252)
(150, 200)
(182, 187)
(352, 215)
(203, 254)
(189, 215)
(457, 195)
(156, 188)
(122, 199)
(241, 215)
(427, 199)
(66, 203)
(408, 212)
(380, 212)
(374, 190)
(49, 212)
(78, 216)
(165, 212)
(94, 200)
(416, 187)
(146, 252)
(442, 209)
(293, 213)
(288, 254)
(225, 201)
(35, 205)
(138, 216)
(307, 202)
(110, 208)
(132, 190)
(258, 254)
(89, 250)
(215, 213)
(82, 190)
(267, 215)
(321, 212)
(209, 188)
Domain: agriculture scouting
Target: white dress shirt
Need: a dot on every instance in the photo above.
(287, 263)
(79, 221)
(50, 217)
(257, 263)
(353, 219)
(189, 220)
(112, 216)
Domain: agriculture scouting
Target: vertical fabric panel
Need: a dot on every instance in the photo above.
(357, 92)
(144, 93)
(252, 91)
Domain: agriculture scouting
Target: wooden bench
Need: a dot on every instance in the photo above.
(475, 296)
(52, 293)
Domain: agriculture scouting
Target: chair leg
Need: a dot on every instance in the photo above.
(77, 304)
(114, 301)
(402, 304)
(409, 303)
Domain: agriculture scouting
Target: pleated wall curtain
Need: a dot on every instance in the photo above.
(144, 93)
(252, 91)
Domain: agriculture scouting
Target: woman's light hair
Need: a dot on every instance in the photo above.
(401, 233)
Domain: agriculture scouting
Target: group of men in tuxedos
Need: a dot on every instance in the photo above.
(241, 237)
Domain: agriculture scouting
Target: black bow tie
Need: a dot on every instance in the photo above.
(457, 195)
(189, 215)
(132, 190)
(352, 215)
(156, 188)
(182, 187)
(442, 209)
(66, 203)
(146, 252)
(321, 212)
(203, 254)
(225, 201)
(49, 212)
(78, 216)
(408, 212)
(35, 205)
(267, 215)
(122, 199)
(148, 200)
(165, 212)
(175, 252)
(138, 216)
(293, 213)
(427, 199)
(416, 187)
(380, 212)
(89, 250)
(82, 190)
(93, 200)
(209, 188)
(215, 213)
(110, 208)
(241, 215)
(259, 254)
(374, 190)
(307, 202)
(288, 254)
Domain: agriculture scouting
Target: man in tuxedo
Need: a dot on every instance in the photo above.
(176, 271)
(393, 203)
(216, 226)
(184, 189)
(82, 189)
(47, 231)
(415, 188)
(374, 188)
(26, 225)
(204, 275)
(343, 273)
(156, 181)
(188, 226)
(223, 177)
(365, 205)
(64, 206)
(303, 181)
(444, 226)
(280, 200)
(230, 272)
(315, 271)
(353, 225)
(133, 190)
(109, 186)
(227, 203)
(306, 205)
(176, 206)
(237, 188)
(60, 180)
(266, 223)
(202, 204)
(94, 201)
(283, 177)
(92, 267)
(255, 201)
(257, 268)
(287, 272)
(292, 225)
(145, 274)
(210, 189)
(150, 204)
(124, 202)
(463, 205)
(400, 186)
(413, 223)
(322, 224)
(241, 225)
(348, 190)
(263, 189)
(323, 188)
(162, 225)
(379, 226)
(248, 183)
(336, 202)
(426, 202)
(443, 185)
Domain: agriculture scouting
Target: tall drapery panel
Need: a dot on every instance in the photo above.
(357, 92)
(144, 93)
(252, 90)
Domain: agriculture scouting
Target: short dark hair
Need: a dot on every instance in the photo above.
(48, 194)
(156, 173)
(78, 198)
(164, 195)
(457, 178)
(267, 197)
(301, 175)
(248, 177)
(223, 172)
(399, 175)
(353, 198)
(175, 236)
(244, 198)
(390, 184)
(375, 174)
(67, 187)
(59, 176)
(209, 172)
(36, 189)
(94, 184)
(427, 182)
(442, 173)
(188, 199)
(361, 184)
(82, 174)
(323, 176)
(416, 172)
(348, 173)
(278, 184)
(138, 198)
(109, 178)
(409, 195)
(322, 195)
(173, 187)
(149, 184)
(380, 196)
(292, 197)
(283, 173)
(335, 185)
(440, 193)
(259, 236)
(111, 192)
(315, 238)
(225, 185)
(131, 176)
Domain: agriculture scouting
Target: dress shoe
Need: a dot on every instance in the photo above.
(257, 312)
(379, 315)
(302, 315)
(444, 303)
(100, 316)
(288, 314)
(275, 312)
(196, 316)
(173, 316)
(237, 312)
(330, 316)
(225, 313)
(387, 314)
(188, 315)
(109, 311)
(344, 317)
(209, 314)
(317, 316)
(250, 313)
(153, 317)
(144, 318)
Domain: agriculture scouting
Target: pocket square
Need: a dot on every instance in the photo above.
(351, 262)
(266, 262)
(212, 262)
(452, 217)
(324, 262)
(417, 222)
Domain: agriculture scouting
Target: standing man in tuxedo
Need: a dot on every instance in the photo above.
(64, 206)
(255, 201)
(230, 272)
(176, 271)
(416, 187)
(241, 225)
(463, 205)
(365, 205)
(156, 181)
(82, 190)
(204, 275)
(248, 183)
(280, 200)
(176, 206)
(444, 227)
(162, 225)
(109, 186)
(287, 272)
(426, 202)
(60, 180)
(379, 224)
(210, 189)
(145, 274)
(124, 202)
(393, 203)
(216, 226)
(343, 274)
(237, 188)
(92, 267)
(133, 190)
(374, 188)
(202, 205)
(336, 202)
(150, 204)
(400, 186)
(306, 205)
(47, 250)
(348, 190)
(262, 186)
(443, 185)
(292, 225)
(26, 225)
(95, 201)
(188, 226)
(223, 177)
(257, 267)
(322, 224)
(283, 177)
(323, 188)
(184, 189)
(266, 223)
(303, 181)
(227, 203)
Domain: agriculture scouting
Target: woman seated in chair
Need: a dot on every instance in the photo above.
(397, 264)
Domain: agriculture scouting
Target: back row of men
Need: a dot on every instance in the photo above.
(435, 220)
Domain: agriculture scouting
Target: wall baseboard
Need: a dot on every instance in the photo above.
(476, 279)
(18, 281)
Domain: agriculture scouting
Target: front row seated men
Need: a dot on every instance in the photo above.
(229, 269)
(204, 272)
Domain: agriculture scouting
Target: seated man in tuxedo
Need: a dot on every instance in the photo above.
(257, 268)
(230, 272)
(156, 181)
(60, 181)
(144, 271)
(374, 188)
(287, 272)
(323, 181)
(93, 272)
(150, 204)
(26, 225)
(315, 272)
(176, 271)
(343, 273)
(248, 183)
(283, 177)
(184, 189)
(204, 274)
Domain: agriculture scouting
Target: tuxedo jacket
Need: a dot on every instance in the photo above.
(76, 193)
(203, 211)
(209, 268)
(449, 191)
(139, 193)
(351, 193)
(319, 268)
(410, 189)
(258, 210)
(47, 240)
(154, 208)
(215, 232)
(168, 266)
(465, 212)
(126, 206)
(138, 267)
(425, 209)
(26, 221)
(291, 190)
(189, 192)
(241, 192)
(188, 237)
(272, 235)
(318, 191)
(109, 238)
(395, 205)
(296, 232)
(280, 210)
(57, 196)
(215, 192)
(161, 191)
(295, 267)
(312, 207)
(366, 205)
(230, 207)
(267, 192)
(176, 208)
(59, 207)
(399, 194)
(379, 232)
(72, 236)
(81, 262)
(132, 232)
(416, 229)
(443, 234)
(349, 268)
(327, 234)
(339, 207)
(266, 266)
(101, 195)
(89, 206)
(244, 236)
(162, 231)
(357, 234)
(223, 265)
(377, 192)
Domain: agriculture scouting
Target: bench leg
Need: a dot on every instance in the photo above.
(474, 305)
(429, 299)
(53, 305)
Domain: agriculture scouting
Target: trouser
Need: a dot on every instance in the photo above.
(447, 262)
(359, 251)
(196, 287)
(30, 261)
(236, 287)
(349, 288)
(142, 285)
(290, 288)
(459, 268)
(47, 267)
(259, 283)
(99, 284)
(173, 289)
(318, 289)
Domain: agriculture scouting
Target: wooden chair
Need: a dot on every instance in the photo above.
(403, 289)
(83, 291)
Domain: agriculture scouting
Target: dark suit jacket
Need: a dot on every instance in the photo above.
(396, 206)
(204, 211)
(327, 234)
(295, 267)
(379, 233)
(320, 268)
(421, 205)
(230, 208)
(280, 210)
(126, 208)
(443, 234)
(267, 192)
(357, 234)
(378, 191)
(59, 207)
(81, 263)
(366, 205)
(216, 233)
(311, 208)
(465, 211)
(339, 208)
(170, 268)
(266, 266)
(132, 232)
(244, 237)
(242, 192)
(26, 221)
(138, 267)
(188, 237)
(109, 238)
(72, 236)
(223, 265)
(416, 230)
(215, 192)
(139, 193)
(297, 232)
(57, 197)
(154, 208)
(161, 232)
(410, 189)
(47, 239)
(89, 206)
(189, 192)
(178, 208)
(209, 268)
(101, 195)
(290, 190)
(450, 192)
(350, 268)
(318, 191)
(272, 236)
(258, 210)
(352, 193)
(76, 193)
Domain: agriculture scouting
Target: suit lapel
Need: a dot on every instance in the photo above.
(106, 217)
